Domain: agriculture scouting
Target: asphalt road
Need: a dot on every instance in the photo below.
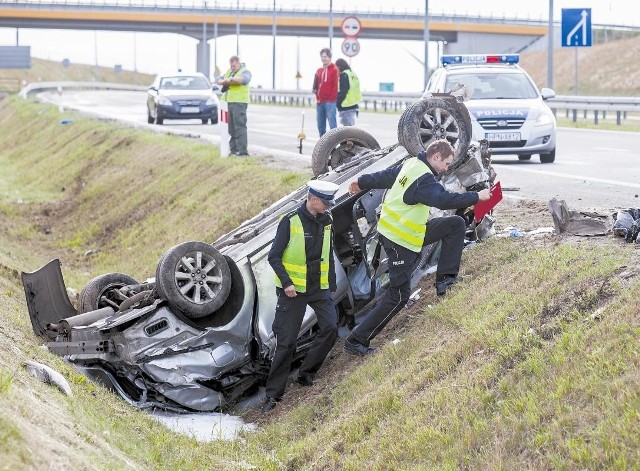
(593, 169)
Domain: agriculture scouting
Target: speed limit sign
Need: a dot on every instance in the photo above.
(350, 47)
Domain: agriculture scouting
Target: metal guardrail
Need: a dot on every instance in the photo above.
(377, 101)
(36, 87)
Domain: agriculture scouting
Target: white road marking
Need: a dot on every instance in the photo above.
(572, 177)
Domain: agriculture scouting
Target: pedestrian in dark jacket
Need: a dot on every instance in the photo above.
(404, 228)
(325, 86)
(349, 94)
(302, 258)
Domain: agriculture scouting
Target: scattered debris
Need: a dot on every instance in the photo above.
(88, 253)
(48, 376)
(627, 224)
(577, 222)
(414, 297)
(396, 341)
(513, 231)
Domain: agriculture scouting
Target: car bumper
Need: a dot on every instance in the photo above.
(533, 139)
(178, 112)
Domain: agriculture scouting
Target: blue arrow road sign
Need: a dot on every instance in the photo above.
(576, 27)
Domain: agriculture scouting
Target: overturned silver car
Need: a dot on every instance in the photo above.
(198, 335)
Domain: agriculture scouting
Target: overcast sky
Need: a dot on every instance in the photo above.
(378, 61)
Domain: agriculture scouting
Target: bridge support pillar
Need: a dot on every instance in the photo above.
(203, 57)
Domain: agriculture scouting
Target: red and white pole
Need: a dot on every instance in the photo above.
(223, 124)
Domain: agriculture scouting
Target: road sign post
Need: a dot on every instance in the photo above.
(576, 32)
(351, 28)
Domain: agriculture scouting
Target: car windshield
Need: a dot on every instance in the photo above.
(183, 83)
(486, 86)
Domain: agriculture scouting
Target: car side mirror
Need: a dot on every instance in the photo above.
(547, 93)
(152, 88)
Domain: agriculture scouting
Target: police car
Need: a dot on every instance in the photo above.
(505, 105)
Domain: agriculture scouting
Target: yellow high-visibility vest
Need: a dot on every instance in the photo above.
(405, 224)
(294, 257)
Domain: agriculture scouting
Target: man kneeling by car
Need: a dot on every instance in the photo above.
(404, 229)
(301, 256)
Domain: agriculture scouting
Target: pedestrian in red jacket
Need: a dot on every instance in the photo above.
(325, 86)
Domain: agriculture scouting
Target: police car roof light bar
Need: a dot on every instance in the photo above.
(469, 59)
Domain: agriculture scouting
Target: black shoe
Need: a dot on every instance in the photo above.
(444, 285)
(353, 347)
(305, 380)
(268, 404)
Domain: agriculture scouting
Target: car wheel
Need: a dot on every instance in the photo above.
(548, 158)
(159, 121)
(338, 146)
(435, 118)
(214, 120)
(205, 121)
(524, 157)
(194, 278)
(99, 292)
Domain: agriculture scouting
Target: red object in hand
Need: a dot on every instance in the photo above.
(483, 207)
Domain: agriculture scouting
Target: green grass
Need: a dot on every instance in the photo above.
(531, 364)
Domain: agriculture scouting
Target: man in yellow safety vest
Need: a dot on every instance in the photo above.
(404, 229)
(302, 258)
(235, 91)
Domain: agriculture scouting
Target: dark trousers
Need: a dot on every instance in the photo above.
(402, 262)
(238, 128)
(286, 326)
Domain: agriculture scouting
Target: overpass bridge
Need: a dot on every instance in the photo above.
(459, 33)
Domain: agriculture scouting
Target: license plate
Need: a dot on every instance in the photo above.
(502, 136)
(189, 109)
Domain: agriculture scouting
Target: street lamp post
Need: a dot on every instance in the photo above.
(205, 61)
(426, 43)
(550, 48)
(238, 28)
(273, 64)
(330, 23)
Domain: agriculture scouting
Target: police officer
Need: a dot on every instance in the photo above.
(349, 94)
(235, 91)
(403, 230)
(301, 257)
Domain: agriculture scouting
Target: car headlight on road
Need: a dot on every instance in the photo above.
(210, 102)
(544, 119)
(164, 101)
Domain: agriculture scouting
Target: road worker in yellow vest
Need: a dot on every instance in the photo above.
(302, 258)
(404, 228)
(235, 91)
(349, 94)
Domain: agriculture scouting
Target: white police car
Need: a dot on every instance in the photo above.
(505, 105)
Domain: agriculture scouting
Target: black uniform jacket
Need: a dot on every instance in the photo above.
(313, 236)
(425, 190)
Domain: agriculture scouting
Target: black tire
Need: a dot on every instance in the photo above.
(178, 270)
(96, 294)
(548, 158)
(338, 146)
(524, 157)
(214, 119)
(159, 121)
(205, 121)
(435, 118)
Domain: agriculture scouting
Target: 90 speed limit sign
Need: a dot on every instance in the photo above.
(350, 47)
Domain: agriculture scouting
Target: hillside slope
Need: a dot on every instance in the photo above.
(603, 70)
(532, 363)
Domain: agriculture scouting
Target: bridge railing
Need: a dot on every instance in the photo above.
(381, 101)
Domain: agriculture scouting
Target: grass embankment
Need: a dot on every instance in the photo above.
(532, 364)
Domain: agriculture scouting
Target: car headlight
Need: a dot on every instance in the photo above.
(164, 101)
(544, 119)
(210, 102)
